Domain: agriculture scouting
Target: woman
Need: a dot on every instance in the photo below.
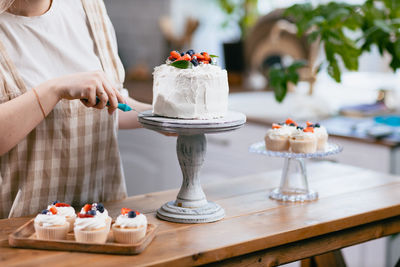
(56, 141)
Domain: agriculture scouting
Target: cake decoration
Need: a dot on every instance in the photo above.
(190, 59)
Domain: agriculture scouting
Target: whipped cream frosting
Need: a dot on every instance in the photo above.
(91, 223)
(196, 93)
(284, 132)
(46, 220)
(64, 211)
(301, 135)
(124, 221)
(320, 131)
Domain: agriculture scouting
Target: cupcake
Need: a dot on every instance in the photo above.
(321, 133)
(130, 227)
(303, 140)
(277, 138)
(100, 212)
(51, 226)
(90, 227)
(65, 210)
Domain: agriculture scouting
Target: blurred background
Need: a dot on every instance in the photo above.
(344, 76)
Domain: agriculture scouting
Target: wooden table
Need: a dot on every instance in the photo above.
(355, 205)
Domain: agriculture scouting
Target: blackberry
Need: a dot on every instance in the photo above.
(195, 62)
(44, 211)
(182, 54)
(131, 214)
(317, 125)
(100, 207)
(299, 128)
(55, 202)
(190, 52)
(292, 124)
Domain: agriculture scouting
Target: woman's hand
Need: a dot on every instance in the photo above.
(86, 86)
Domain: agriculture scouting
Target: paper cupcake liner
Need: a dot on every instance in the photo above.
(92, 236)
(308, 146)
(128, 235)
(276, 144)
(108, 222)
(71, 221)
(52, 232)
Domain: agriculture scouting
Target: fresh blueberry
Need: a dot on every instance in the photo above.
(182, 54)
(317, 125)
(190, 52)
(173, 59)
(292, 124)
(299, 128)
(91, 212)
(100, 207)
(195, 62)
(55, 202)
(131, 214)
(44, 211)
(202, 53)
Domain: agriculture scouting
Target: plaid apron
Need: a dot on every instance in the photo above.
(72, 155)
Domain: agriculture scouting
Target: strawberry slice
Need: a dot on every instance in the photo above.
(53, 210)
(84, 215)
(276, 126)
(309, 130)
(62, 205)
(137, 213)
(87, 207)
(309, 123)
(290, 121)
(206, 56)
(125, 211)
(199, 56)
(175, 54)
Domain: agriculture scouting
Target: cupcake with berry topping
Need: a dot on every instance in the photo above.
(90, 227)
(303, 140)
(66, 210)
(100, 212)
(277, 138)
(49, 225)
(321, 133)
(130, 227)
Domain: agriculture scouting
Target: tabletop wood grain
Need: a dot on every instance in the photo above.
(355, 205)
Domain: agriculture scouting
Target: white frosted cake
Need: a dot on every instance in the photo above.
(194, 89)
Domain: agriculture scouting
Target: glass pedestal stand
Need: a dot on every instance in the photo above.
(191, 204)
(294, 184)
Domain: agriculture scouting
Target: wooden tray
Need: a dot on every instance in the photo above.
(25, 237)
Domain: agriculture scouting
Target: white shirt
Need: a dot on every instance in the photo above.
(54, 44)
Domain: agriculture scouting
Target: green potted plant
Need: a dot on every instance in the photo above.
(242, 14)
(344, 31)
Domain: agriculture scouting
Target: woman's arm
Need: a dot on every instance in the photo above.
(129, 120)
(19, 116)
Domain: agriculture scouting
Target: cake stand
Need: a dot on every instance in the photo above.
(294, 184)
(191, 205)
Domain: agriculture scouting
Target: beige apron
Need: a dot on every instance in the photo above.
(72, 155)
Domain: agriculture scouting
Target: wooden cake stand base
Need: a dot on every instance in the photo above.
(191, 205)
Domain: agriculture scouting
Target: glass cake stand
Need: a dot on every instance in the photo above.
(191, 204)
(294, 184)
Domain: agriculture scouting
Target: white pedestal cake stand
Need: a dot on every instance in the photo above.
(191, 205)
(294, 184)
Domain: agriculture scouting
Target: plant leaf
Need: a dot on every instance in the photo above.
(181, 64)
(213, 56)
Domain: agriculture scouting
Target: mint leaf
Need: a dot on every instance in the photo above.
(213, 56)
(181, 64)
